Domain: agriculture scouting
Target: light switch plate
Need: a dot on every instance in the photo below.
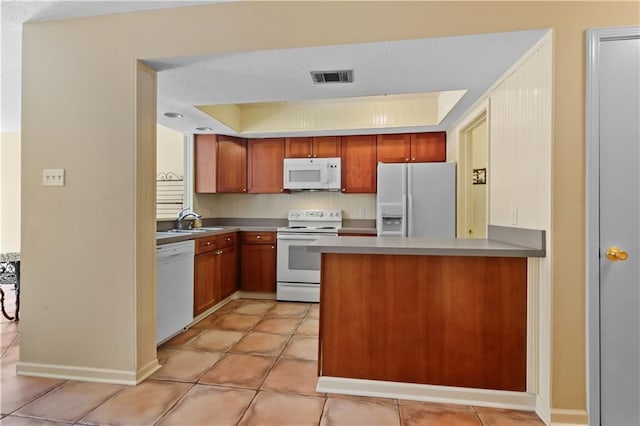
(514, 216)
(53, 177)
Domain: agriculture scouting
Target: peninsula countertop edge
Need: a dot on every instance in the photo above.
(502, 242)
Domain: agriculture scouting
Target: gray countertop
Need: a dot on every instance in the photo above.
(505, 247)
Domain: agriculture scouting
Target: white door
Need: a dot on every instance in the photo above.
(618, 104)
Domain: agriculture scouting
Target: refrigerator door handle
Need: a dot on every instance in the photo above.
(409, 216)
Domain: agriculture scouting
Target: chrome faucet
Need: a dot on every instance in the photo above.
(185, 213)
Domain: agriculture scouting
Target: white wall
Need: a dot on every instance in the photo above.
(9, 192)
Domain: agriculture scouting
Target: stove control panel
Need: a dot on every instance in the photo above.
(315, 215)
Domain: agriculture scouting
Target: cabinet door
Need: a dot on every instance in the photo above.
(205, 156)
(298, 147)
(326, 146)
(204, 295)
(265, 165)
(232, 164)
(394, 148)
(258, 270)
(428, 147)
(228, 278)
(359, 164)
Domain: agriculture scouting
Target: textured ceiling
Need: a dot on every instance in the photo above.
(471, 63)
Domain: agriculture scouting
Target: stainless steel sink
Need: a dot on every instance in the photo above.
(176, 232)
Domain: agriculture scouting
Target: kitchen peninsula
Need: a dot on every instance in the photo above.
(447, 312)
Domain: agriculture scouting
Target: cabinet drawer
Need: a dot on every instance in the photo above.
(226, 240)
(205, 244)
(258, 237)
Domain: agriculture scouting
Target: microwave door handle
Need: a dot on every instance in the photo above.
(326, 174)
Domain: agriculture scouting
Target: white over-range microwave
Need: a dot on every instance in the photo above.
(312, 174)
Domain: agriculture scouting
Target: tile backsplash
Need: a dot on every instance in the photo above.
(353, 206)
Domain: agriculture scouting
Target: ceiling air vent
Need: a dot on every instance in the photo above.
(321, 77)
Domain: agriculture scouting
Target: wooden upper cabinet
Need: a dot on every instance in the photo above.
(326, 146)
(232, 164)
(298, 147)
(394, 148)
(359, 164)
(412, 147)
(312, 147)
(429, 147)
(265, 158)
(205, 161)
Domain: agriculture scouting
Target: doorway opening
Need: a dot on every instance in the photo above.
(474, 169)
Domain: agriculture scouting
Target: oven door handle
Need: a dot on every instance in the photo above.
(299, 237)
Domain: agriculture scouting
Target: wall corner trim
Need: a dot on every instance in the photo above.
(561, 416)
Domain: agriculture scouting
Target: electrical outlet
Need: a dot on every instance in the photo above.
(362, 213)
(53, 177)
(514, 216)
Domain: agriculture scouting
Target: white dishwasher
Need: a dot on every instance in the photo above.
(175, 288)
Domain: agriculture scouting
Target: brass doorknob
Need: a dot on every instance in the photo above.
(615, 254)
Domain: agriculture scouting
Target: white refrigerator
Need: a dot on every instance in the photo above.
(416, 200)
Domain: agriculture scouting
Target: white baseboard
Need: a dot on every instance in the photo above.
(86, 374)
(440, 394)
(561, 417)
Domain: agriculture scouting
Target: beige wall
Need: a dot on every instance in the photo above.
(85, 67)
(479, 160)
(170, 151)
(9, 192)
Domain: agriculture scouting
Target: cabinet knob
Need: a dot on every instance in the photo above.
(258, 237)
(273, 247)
(314, 156)
(413, 159)
(344, 190)
(228, 238)
(406, 159)
(281, 190)
(244, 189)
(308, 155)
(208, 243)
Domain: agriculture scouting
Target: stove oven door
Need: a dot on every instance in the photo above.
(295, 263)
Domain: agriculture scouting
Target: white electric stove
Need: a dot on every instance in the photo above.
(298, 271)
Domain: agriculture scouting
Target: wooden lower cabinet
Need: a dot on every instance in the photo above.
(215, 270)
(204, 278)
(439, 320)
(228, 264)
(258, 262)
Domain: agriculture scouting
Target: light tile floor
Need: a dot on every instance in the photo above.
(253, 362)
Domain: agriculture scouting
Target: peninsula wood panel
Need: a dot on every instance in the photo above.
(454, 321)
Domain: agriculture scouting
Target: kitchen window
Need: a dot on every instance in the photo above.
(173, 153)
